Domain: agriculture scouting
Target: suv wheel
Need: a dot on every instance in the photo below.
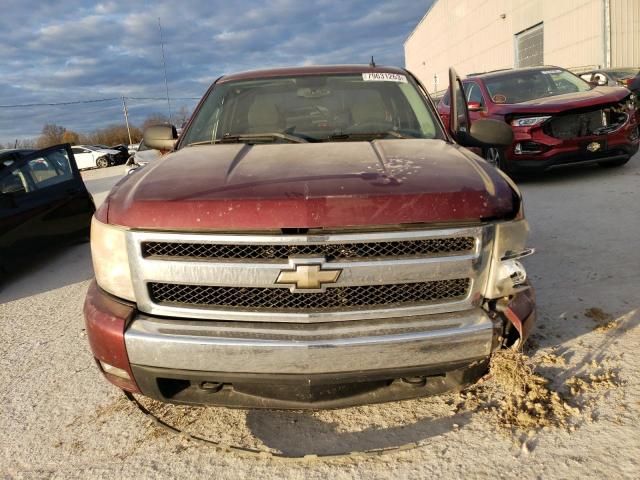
(495, 157)
(102, 162)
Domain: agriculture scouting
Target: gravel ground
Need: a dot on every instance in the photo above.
(60, 419)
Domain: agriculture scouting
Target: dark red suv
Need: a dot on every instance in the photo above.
(557, 118)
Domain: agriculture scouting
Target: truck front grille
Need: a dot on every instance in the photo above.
(422, 247)
(334, 298)
(380, 273)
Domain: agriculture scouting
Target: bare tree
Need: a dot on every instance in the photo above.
(51, 135)
(112, 135)
(70, 137)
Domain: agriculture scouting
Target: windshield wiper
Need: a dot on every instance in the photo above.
(374, 135)
(247, 137)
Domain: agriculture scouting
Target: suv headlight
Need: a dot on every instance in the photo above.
(529, 121)
(507, 275)
(110, 259)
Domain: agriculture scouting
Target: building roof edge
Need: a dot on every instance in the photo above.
(424, 17)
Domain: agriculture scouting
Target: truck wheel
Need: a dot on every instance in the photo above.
(102, 162)
(614, 163)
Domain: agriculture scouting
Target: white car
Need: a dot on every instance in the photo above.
(88, 156)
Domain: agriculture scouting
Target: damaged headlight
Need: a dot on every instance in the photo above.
(507, 275)
(110, 259)
(529, 121)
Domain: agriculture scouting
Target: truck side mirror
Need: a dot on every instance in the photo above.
(160, 137)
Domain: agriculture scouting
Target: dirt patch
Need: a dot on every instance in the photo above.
(117, 406)
(604, 321)
(516, 395)
(524, 399)
(551, 359)
(595, 382)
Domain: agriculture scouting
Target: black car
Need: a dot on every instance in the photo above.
(43, 202)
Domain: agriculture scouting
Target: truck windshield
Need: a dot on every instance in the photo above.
(526, 85)
(317, 108)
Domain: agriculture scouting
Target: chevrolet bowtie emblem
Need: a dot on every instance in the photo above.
(307, 276)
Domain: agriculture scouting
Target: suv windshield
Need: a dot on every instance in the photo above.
(622, 74)
(522, 86)
(313, 108)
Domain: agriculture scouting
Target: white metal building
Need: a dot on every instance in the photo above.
(483, 35)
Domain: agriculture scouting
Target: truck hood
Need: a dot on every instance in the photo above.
(236, 187)
(570, 101)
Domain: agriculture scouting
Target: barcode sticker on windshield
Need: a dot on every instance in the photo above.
(383, 77)
(547, 72)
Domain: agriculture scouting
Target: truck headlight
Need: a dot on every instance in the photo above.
(110, 259)
(507, 275)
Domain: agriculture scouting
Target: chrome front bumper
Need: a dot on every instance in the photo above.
(309, 349)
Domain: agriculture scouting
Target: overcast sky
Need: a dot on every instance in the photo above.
(78, 50)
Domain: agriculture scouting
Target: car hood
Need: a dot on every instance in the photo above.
(311, 185)
(570, 101)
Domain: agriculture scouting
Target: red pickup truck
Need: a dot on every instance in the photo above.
(315, 239)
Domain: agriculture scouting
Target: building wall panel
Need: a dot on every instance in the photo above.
(625, 33)
(479, 35)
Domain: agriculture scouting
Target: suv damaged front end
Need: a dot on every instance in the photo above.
(604, 134)
(278, 274)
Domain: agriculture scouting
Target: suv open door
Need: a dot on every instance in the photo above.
(43, 201)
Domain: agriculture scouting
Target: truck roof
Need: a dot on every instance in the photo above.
(310, 70)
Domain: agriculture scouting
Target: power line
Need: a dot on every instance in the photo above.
(76, 102)
(98, 100)
(162, 98)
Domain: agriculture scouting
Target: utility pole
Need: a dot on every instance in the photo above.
(164, 64)
(126, 119)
